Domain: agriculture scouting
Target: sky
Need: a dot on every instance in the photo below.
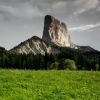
(22, 19)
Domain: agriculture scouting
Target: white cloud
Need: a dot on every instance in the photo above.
(85, 6)
(31, 12)
(7, 9)
(59, 4)
(98, 9)
(23, 11)
(79, 12)
(84, 28)
(92, 4)
(77, 2)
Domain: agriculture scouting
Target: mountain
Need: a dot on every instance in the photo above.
(34, 45)
(56, 32)
(55, 40)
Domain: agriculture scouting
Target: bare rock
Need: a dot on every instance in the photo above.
(56, 32)
(34, 45)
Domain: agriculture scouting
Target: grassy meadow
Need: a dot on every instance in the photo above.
(49, 85)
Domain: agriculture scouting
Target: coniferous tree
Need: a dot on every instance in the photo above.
(61, 63)
(3, 61)
(0, 62)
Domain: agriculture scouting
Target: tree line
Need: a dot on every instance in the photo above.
(61, 61)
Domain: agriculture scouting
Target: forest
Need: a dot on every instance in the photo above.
(69, 59)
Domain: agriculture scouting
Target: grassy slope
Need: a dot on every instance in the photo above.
(49, 85)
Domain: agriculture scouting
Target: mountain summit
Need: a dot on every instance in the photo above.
(56, 32)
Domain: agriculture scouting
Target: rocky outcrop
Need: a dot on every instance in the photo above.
(34, 45)
(56, 32)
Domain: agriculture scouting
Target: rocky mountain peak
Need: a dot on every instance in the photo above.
(56, 32)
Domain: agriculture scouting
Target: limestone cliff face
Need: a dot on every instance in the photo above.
(34, 45)
(56, 32)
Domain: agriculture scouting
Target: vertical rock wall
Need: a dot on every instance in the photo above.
(56, 32)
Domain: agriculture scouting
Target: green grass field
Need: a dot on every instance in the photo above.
(49, 85)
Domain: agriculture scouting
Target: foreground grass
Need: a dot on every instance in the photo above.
(49, 85)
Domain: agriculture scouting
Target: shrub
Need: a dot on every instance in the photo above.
(54, 65)
(97, 67)
(69, 64)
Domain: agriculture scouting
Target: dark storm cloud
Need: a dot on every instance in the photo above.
(34, 8)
